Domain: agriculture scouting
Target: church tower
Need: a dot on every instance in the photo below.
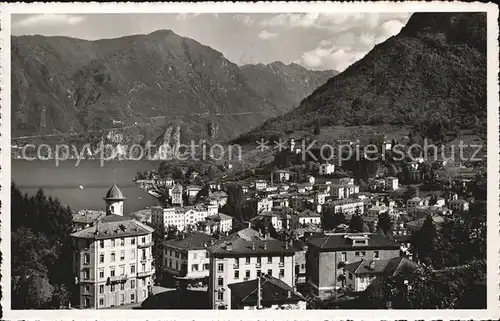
(114, 201)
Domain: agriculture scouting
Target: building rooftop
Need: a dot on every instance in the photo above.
(250, 241)
(192, 241)
(87, 216)
(272, 291)
(114, 193)
(341, 241)
(308, 213)
(219, 217)
(379, 267)
(113, 226)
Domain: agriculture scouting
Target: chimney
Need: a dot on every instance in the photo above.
(265, 245)
(249, 224)
(253, 246)
(286, 245)
(229, 246)
(372, 265)
(289, 294)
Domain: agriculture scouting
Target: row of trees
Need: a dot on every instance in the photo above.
(41, 252)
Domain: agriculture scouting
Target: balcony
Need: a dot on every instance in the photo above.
(145, 273)
(281, 264)
(118, 278)
(257, 265)
(143, 245)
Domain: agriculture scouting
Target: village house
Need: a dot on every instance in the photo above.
(377, 185)
(187, 257)
(459, 205)
(273, 218)
(376, 211)
(176, 195)
(218, 223)
(300, 261)
(328, 254)
(265, 293)
(264, 204)
(391, 183)
(260, 184)
(112, 261)
(346, 206)
(320, 197)
(192, 190)
(343, 191)
(280, 201)
(308, 217)
(182, 217)
(214, 186)
(326, 169)
(281, 175)
(244, 256)
(310, 179)
(416, 201)
(360, 274)
(342, 181)
(85, 218)
(218, 198)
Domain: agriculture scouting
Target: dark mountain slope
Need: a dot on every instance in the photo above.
(432, 72)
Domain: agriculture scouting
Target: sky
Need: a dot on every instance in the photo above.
(316, 41)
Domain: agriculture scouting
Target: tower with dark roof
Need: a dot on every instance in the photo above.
(114, 201)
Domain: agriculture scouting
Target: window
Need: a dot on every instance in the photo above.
(170, 262)
(220, 267)
(122, 255)
(259, 259)
(86, 289)
(195, 256)
(143, 254)
(86, 274)
(376, 254)
(122, 298)
(350, 276)
(86, 258)
(122, 241)
(206, 266)
(112, 271)
(282, 260)
(247, 274)
(143, 282)
(237, 262)
(357, 253)
(122, 286)
(87, 302)
(122, 270)
(113, 243)
(258, 273)
(101, 273)
(101, 244)
(101, 289)
(220, 281)
(132, 268)
(132, 284)
(112, 288)
(101, 258)
(143, 240)
(220, 295)
(282, 273)
(113, 257)
(363, 253)
(247, 260)
(270, 272)
(344, 257)
(132, 252)
(132, 241)
(101, 301)
(143, 267)
(236, 274)
(132, 297)
(194, 267)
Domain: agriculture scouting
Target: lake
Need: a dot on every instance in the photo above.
(63, 182)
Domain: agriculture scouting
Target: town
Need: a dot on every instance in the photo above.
(309, 236)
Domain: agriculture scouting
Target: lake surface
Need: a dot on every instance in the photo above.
(63, 181)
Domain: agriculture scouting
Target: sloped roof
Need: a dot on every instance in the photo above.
(113, 226)
(193, 241)
(338, 241)
(250, 241)
(388, 267)
(114, 193)
(272, 291)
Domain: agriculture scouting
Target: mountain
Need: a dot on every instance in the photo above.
(430, 75)
(155, 82)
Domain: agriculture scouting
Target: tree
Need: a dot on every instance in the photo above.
(423, 241)
(159, 234)
(31, 292)
(411, 192)
(171, 232)
(356, 224)
(385, 223)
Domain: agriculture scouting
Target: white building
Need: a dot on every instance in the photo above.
(182, 217)
(260, 184)
(187, 257)
(416, 201)
(264, 205)
(282, 175)
(112, 261)
(346, 206)
(344, 191)
(218, 222)
(243, 256)
(308, 217)
(326, 169)
(391, 183)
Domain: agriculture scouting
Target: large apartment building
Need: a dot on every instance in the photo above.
(243, 256)
(112, 262)
(187, 257)
(327, 255)
(182, 216)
